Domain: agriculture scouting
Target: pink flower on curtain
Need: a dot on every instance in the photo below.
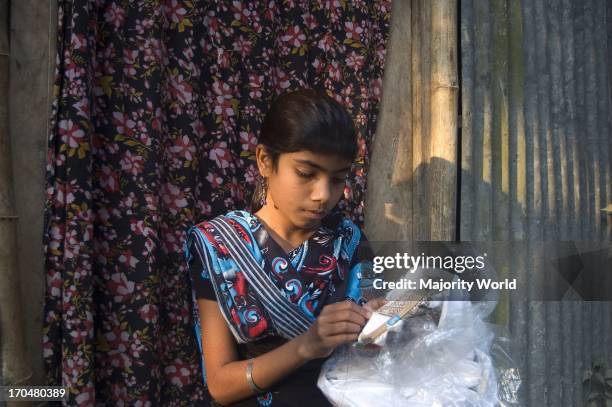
(124, 125)
(180, 89)
(71, 133)
(183, 148)
(109, 179)
(173, 198)
(221, 154)
(114, 15)
(132, 163)
(175, 11)
(294, 36)
(353, 30)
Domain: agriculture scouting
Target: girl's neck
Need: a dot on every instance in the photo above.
(287, 235)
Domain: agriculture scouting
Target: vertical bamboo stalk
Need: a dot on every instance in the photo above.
(12, 352)
(389, 213)
(482, 121)
(500, 145)
(499, 135)
(421, 115)
(444, 93)
(468, 177)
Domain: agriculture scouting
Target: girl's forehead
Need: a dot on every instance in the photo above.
(326, 162)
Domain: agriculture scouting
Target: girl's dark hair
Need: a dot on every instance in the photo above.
(306, 119)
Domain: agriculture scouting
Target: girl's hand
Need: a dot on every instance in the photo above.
(375, 304)
(337, 324)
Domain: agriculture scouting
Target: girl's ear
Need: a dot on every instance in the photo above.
(264, 160)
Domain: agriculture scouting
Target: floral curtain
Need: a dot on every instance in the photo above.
(156, 114)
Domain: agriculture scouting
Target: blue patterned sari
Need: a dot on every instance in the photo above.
(324, 269)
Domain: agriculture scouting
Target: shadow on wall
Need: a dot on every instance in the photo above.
(555, 344)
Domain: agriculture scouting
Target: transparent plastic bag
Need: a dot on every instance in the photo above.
(425, 364)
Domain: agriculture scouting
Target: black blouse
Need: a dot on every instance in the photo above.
(297, 389)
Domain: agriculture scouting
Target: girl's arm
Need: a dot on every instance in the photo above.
(226, 375)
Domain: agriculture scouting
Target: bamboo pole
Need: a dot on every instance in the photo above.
(468, 177)
(389, 207)
(442, 171)
(482, 122)
(421, 115)
(500, 132)
(14, 369)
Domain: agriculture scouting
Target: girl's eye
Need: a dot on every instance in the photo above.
(307, 175)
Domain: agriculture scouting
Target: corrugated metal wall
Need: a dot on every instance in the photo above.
(535, 165)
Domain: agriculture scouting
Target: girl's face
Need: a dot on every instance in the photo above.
(305, 186)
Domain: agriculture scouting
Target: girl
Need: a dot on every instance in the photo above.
(279, 288)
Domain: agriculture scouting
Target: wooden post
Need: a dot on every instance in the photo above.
(14, 369)
(442, 169)
(415, 149)
(389, 213)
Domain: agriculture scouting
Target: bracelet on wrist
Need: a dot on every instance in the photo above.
(249, 377)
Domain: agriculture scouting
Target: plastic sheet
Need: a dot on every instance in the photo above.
(426, 364)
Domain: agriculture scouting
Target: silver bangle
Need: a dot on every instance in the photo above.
(249, 377)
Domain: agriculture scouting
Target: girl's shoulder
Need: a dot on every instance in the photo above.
(209, 237)
(242, 216)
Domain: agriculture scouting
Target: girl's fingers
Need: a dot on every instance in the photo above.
(349, 316)
(375, 304)
(341, 339)
(350, 305)
(344, 328)
(340, 321)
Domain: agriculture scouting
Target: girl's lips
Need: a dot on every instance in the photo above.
(315, 214)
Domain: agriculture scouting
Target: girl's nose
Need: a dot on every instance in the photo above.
(321, 192)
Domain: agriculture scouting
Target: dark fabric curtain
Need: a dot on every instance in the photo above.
(156, 114)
